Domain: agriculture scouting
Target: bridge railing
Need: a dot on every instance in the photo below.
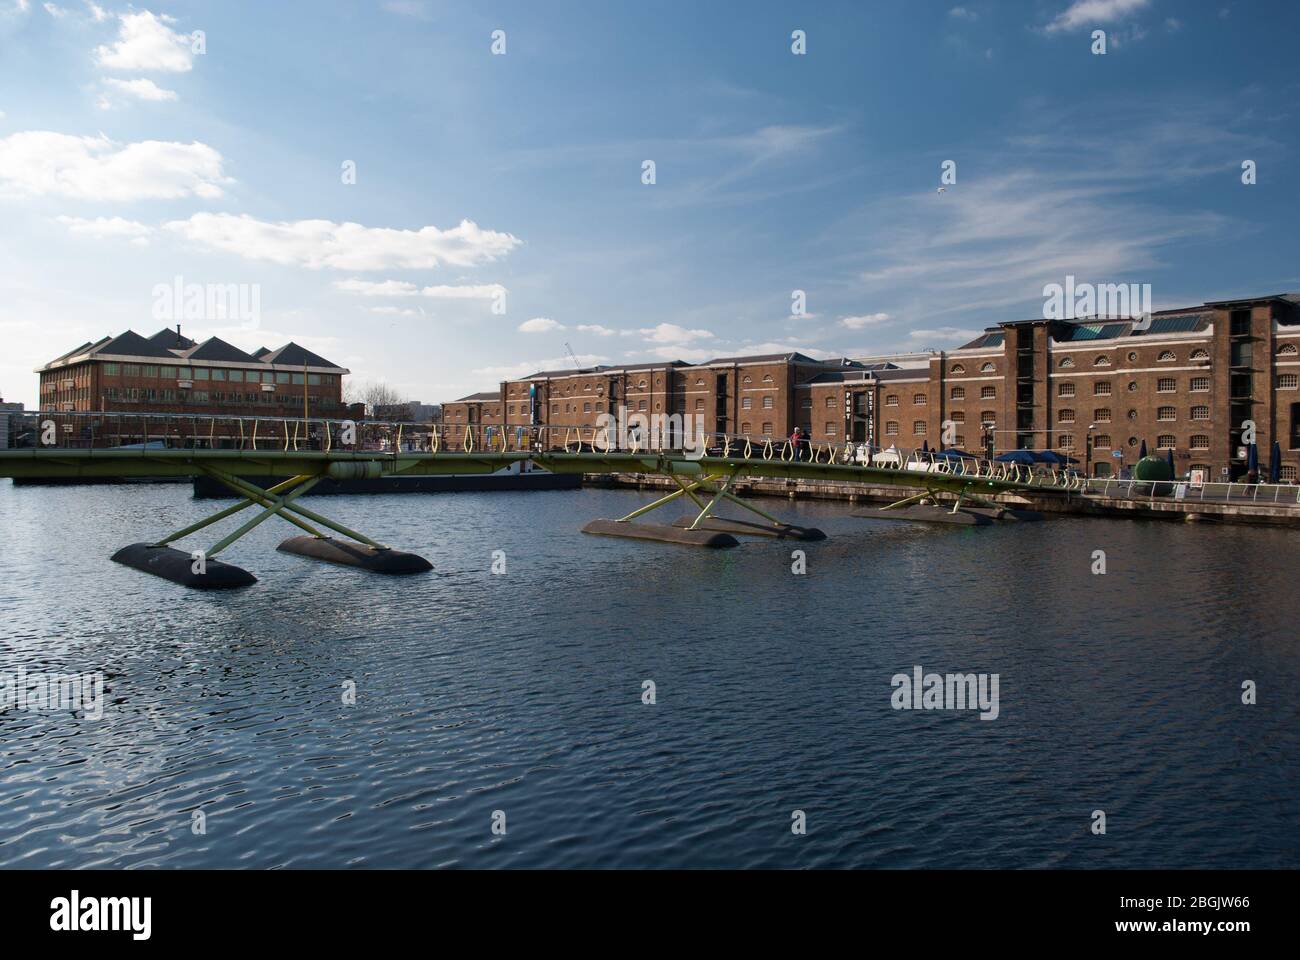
(148, 430)
(1263, 494)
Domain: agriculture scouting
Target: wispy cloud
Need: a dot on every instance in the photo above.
(146, 41)
(41, 162)
(1093, 13)
(319, 244)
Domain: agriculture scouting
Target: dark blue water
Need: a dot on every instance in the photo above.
(522, 693)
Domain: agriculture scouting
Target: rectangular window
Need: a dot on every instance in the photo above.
(1166, 385)
(298, 379)
(131, 370)
(167, 373)
(313, 379)
(1200, 384)
(1101, 388)
(218, 373)
(150, 371)
(236, 376)
(112, 370)
(281, 377)
(200, 373)
(830, 428)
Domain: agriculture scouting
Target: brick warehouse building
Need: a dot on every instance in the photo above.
(169, 373)
(1185, 382)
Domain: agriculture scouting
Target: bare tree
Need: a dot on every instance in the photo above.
(382, 401)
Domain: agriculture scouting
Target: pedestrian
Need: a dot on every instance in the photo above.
(796, 443)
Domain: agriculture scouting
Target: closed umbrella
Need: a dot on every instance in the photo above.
(1142, 450)
(1172, 472)
(1275, 464)
(1252, 459)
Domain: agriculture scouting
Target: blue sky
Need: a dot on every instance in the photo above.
(127, 159)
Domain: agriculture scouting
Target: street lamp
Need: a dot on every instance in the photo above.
(1087, 457)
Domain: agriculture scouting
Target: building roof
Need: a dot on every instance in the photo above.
(293, 355)
(163, 346)
(131, 344)
(486, 395)
(171, 339)
(214, 348)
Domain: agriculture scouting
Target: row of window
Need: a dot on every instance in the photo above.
(1103, 414)
(1166, 356)
(1165, 441)
(150, 371)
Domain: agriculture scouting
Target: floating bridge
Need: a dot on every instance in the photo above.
(232, 450)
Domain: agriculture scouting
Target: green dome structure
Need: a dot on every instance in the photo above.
(1152, 468)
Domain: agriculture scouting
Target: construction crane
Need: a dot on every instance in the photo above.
(572, 356)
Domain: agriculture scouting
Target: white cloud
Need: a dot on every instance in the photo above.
(944, 334)
(397, 311)
(378, 288)
(102, 228)
(962, 13)
(40, 162)
(58, 13)
(141, 88)
(596, 330)
(146, 42)
(97, 13)
(23, 5)
(540, 325)
(864, 320)
(477, 291)
(672, 333)
(689, 354)
(1089, 13)
(318, 244)
(526, 367)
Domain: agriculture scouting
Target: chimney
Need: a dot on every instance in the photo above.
(179, 339)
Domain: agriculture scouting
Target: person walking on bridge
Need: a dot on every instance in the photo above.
(797, 443)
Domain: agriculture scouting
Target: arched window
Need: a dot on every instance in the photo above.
(699, 381)
(747, 379)
(1101, 361)
(1200, 355)
(767, 378)
(987, 368)
(1286, 350)
(1066, 362)
(1166, 356)
(957, 368)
